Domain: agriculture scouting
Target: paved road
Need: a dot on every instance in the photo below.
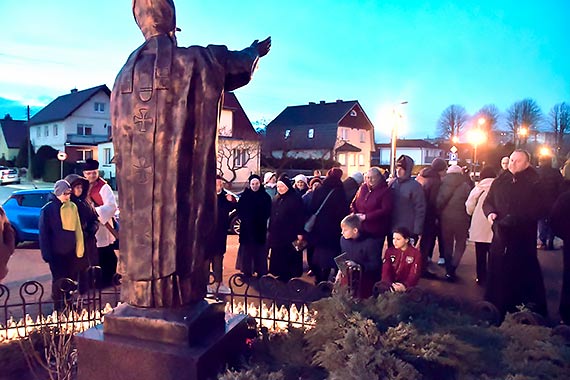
(26, 264)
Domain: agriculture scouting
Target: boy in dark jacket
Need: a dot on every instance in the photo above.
(61, 238)
(361, 250)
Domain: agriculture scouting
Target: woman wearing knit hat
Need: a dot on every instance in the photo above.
(270, 183)
(301, 184)
(254, 208)
(61, 239)
(285, 228)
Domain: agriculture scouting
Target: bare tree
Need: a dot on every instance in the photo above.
(452, 121)
(524, 113)
(560, 122)
(235, 157)
(491, 114)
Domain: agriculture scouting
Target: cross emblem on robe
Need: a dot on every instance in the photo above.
(143, 121)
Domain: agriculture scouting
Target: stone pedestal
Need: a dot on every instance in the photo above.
(141, 344)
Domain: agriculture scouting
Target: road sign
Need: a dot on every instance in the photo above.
(61, 156)
(453, 149)
(453, 157)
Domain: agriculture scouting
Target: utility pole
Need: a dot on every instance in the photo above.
(29, 172)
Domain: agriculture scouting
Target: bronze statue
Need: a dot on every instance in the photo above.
(165, 106)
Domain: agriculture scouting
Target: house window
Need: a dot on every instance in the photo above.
(353, 113)
(85, 154)
(361, 159)
(99, 107)
(343, 133)
(351, 160)
(46, 131)
(39, 132)
(287, 133)
(107, 156)
(84, 129)
(240, 157)
(311, 133)
(362, 136)
(55, 131)
(342, 159)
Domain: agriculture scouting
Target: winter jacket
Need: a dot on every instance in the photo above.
(430, 181)
(480, 230)
(254, 209)
(106, 206)
(409, 201)
(327, 225)
(88, 217)
(367, 252)
(350, 188)
(402, 266)
(550, 185)
(450, 202)
(54, 240)
(376, 204)
(287, 219)
(559, 217)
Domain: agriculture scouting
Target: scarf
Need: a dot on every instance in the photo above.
(70, 222)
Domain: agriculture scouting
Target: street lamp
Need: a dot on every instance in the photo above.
(476, 137)
(523, 133)
(393, 138)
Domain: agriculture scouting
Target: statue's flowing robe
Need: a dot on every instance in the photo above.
(165, 106)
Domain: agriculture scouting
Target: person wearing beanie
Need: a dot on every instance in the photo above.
(330, 205)
(270, 183)
(61, 239)
(301, 184)
(430, 179)
(409, 200)
(254, 209)
(285, 228)
(450, 204)
(103, 199)
(480, 231)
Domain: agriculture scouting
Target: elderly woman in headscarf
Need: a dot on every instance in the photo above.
(285, 229)
(329, 200)
(270, 184)
(254, 209)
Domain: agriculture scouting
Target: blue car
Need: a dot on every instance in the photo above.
(23, 211)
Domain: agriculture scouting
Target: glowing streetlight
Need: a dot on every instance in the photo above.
(523, 133)
(477, 137)
(394, 137)
(455, 139)
(545, 151)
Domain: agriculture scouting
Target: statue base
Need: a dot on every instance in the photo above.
(146, 344)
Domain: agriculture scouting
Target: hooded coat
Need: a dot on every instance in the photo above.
(450, 201)
(514, 275)
(409, 200)
(254, 209)
(165, 108)
(88, 217)
(480, 230)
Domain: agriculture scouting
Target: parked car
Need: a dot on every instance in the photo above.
(9, 175)
(23, 211)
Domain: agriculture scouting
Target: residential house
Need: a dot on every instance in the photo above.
(421, 151)
(74, 123)
(340, 131)
(238, 146)
(12, 137)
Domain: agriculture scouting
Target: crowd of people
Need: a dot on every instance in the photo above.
(387, 228)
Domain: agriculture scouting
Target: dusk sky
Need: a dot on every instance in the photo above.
(430, 54)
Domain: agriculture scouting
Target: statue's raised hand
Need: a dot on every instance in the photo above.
(262, 47)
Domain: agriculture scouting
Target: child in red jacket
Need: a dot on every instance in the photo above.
(402, 264)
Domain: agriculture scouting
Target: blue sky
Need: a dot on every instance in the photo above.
(431, 54)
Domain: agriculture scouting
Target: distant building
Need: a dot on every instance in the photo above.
(12, 137)
(74, 123)
(339, 131)
(421, 151)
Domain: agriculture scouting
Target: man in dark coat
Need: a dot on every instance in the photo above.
(550, 182)
(513, 206)
(217, 248)
(430, 179)
(561, 226)
(324, 236)
(165, 109)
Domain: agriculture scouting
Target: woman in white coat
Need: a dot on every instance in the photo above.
(480, 231)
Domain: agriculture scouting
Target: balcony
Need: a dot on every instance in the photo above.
(86, 139)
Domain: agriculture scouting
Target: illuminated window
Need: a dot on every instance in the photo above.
(362, 136)
(361, 159)
(351, 160)
(287, 133)
(342, 159)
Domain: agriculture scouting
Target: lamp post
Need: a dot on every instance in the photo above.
(394, 137)
(523, 133)
(476, 137)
